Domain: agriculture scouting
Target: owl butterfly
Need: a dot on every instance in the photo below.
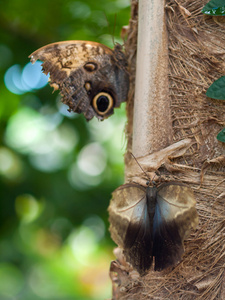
(152, 222)
(92, 78)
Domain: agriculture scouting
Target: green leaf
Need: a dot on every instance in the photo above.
(214, 8)
(217, 89)
(221, 136)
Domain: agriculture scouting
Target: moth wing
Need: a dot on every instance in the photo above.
(130, 225)
(140, 253)
(69, 55)
(175, 215)
(121, 210)
(81, 70)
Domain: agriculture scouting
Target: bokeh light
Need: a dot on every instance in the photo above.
(33, 77)
(92, 159)
(11, 167)
(20, 81)
(42, 137)
(57, 171)
(27, 208)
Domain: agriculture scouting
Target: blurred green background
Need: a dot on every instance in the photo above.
(57, 171)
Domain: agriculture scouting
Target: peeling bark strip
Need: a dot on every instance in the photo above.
(196, 45)
(152, 129)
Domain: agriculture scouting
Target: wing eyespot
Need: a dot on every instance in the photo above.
(90, 67)
(87, 87)
(102, 103)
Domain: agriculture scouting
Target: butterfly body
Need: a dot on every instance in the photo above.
(152, 222)
(92, 78)
(151, 194)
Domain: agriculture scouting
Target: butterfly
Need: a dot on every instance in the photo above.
(91, 77)
(152, 222)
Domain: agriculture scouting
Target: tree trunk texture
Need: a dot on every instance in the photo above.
(175, 53)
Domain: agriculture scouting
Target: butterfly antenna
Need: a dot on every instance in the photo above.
(141, 167)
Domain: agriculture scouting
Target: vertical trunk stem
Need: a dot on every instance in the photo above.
(152, 128)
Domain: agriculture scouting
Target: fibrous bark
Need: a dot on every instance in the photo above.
(187, 149)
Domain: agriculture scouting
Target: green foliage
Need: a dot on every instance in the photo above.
(221, 136)
(57, 171)
(217, 89)
(214, 8)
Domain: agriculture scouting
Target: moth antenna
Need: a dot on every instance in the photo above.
(149, 179)
(153, 182)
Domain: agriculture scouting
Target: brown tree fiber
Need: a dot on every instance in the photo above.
(196, 45)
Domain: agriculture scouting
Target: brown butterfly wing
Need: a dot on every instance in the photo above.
(83, 70)
(130, 225)
(138, 242)
(175, 215)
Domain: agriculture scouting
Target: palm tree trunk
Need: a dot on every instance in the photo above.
(172, 125)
